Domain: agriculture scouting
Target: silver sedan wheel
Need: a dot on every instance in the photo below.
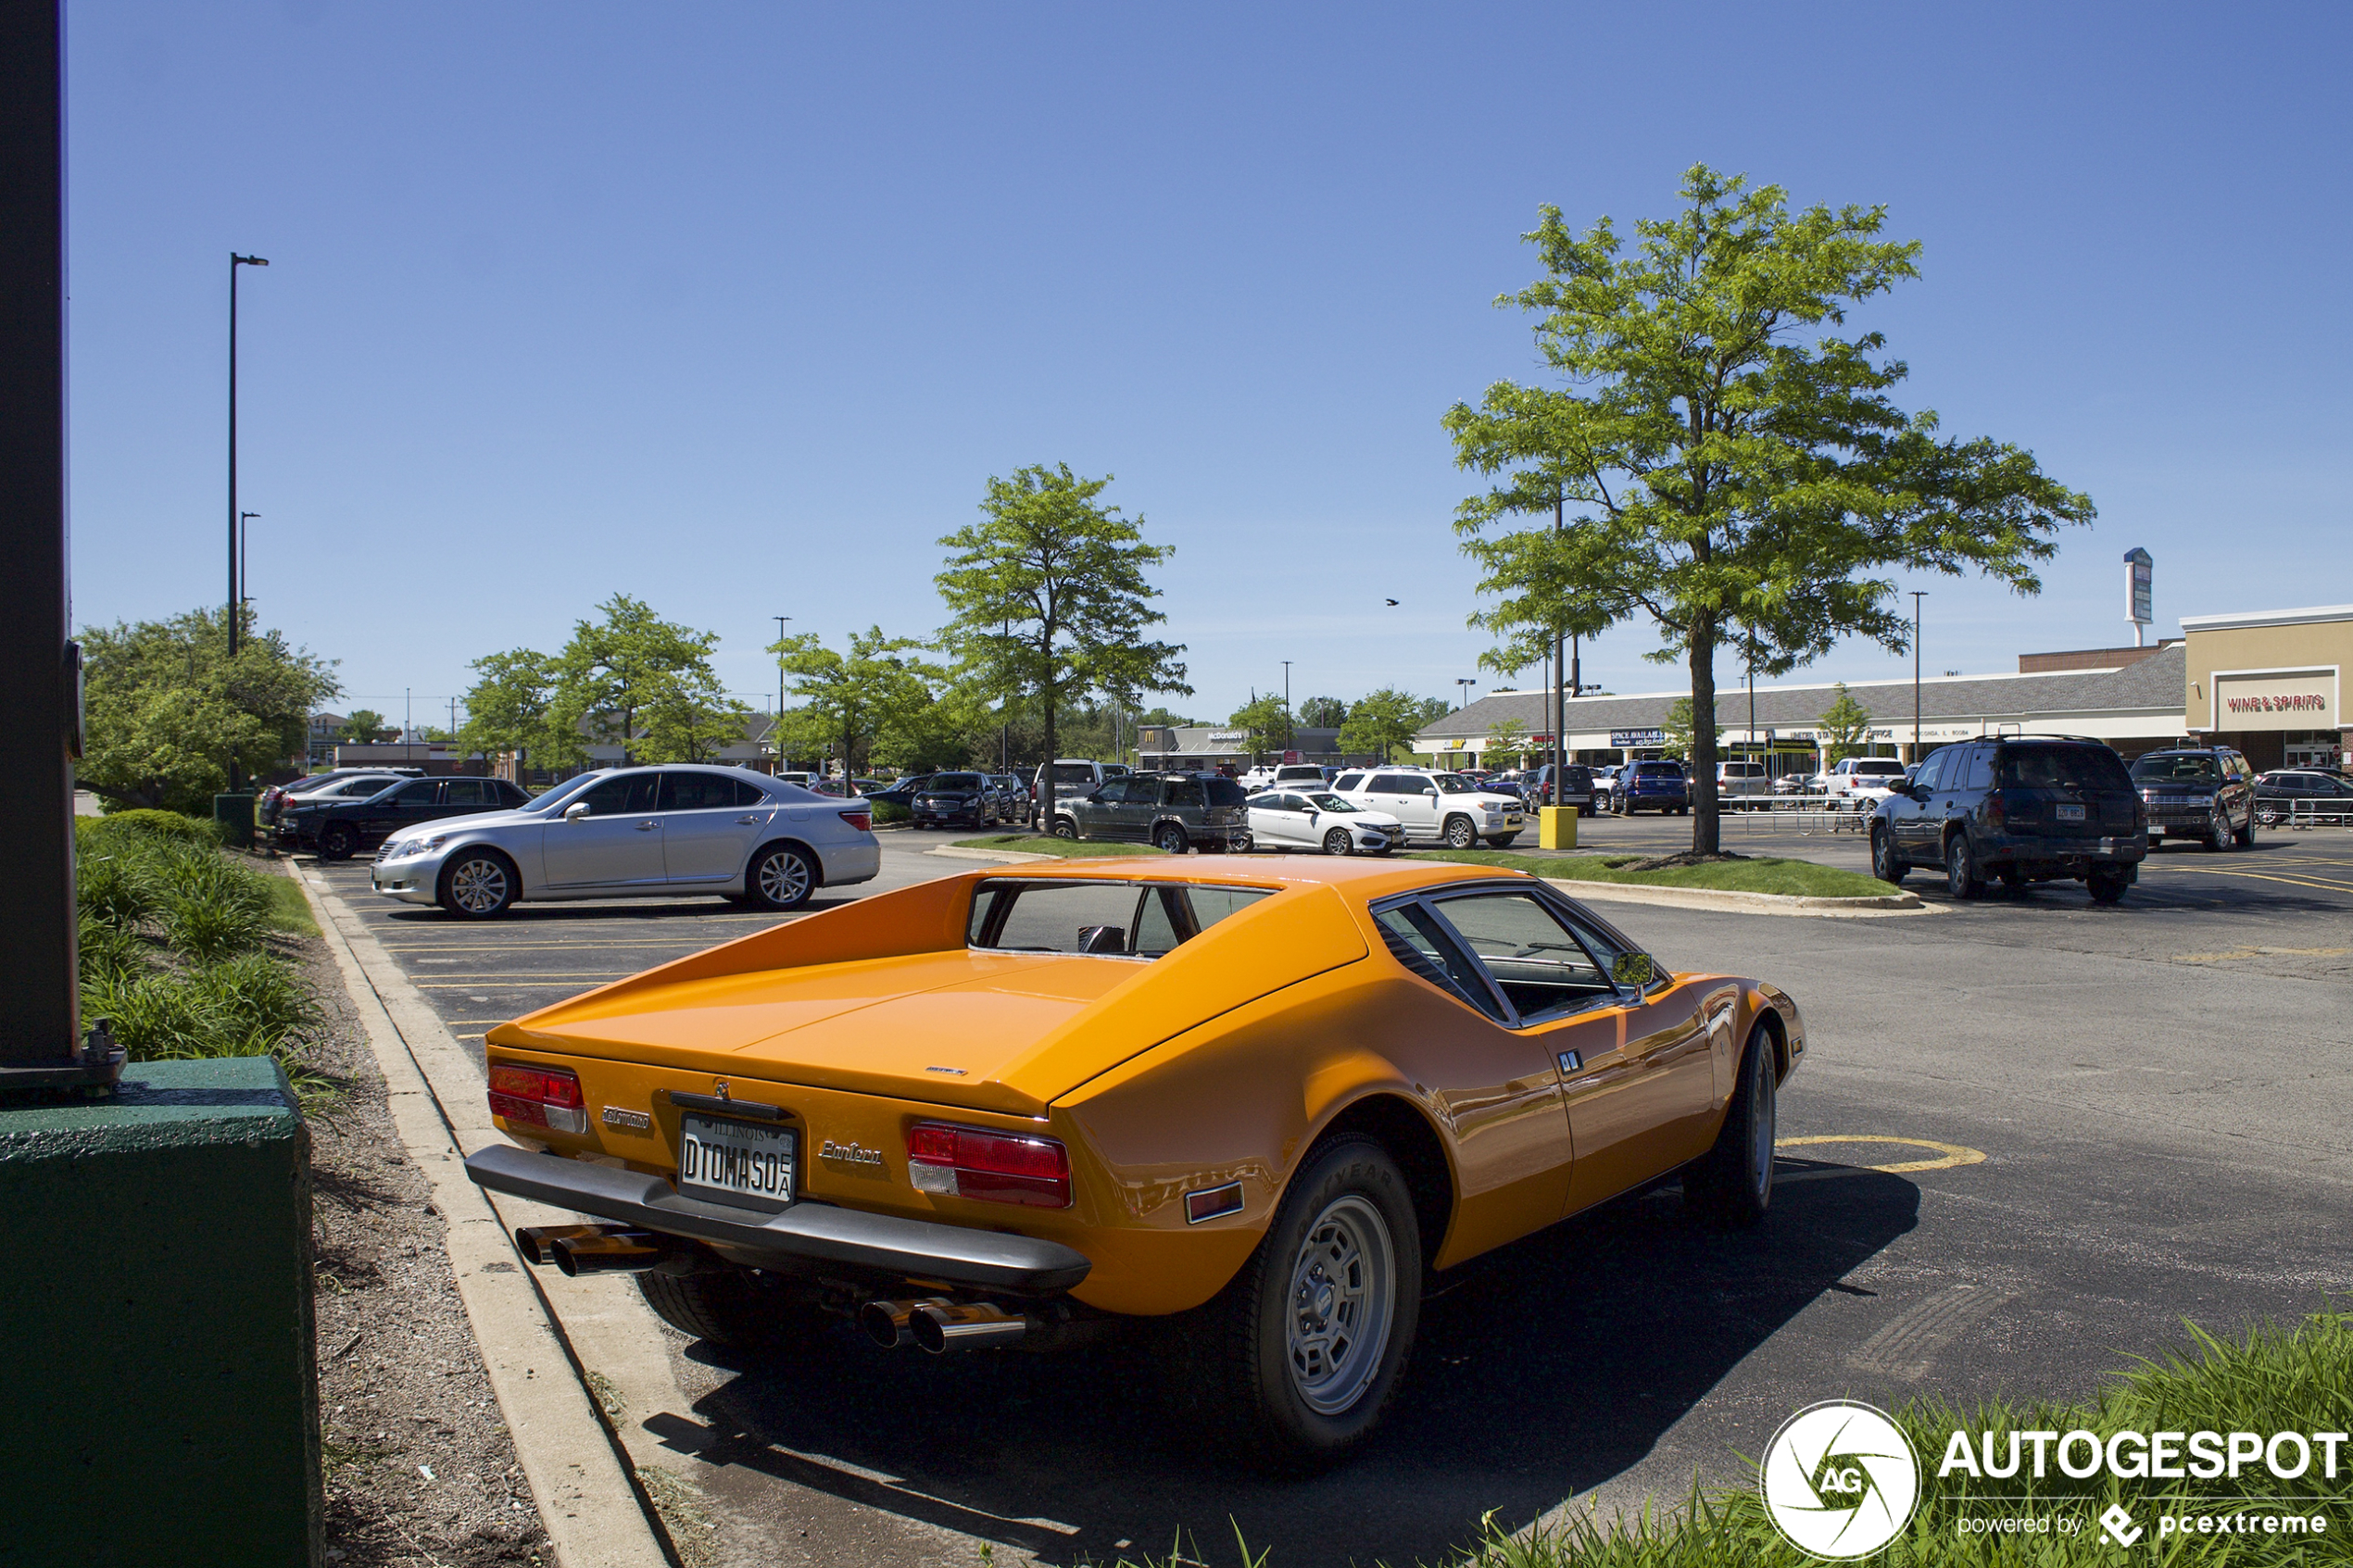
(783, 879)
(1343, 1287)
(480, 885)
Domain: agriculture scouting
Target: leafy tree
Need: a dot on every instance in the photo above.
(366, 727)
(1162, 716)
(1323, 713)
(1049, 600)
(688, 716)
(1384, 723)
(1676, 732)
(1723, 470)
(1846, 726)
(878, 687)
(166, 710)
(1506, 738)
(1265, 719)
(509, 707)
(612, 669)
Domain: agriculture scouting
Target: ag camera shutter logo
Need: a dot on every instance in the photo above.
(1840, 1479)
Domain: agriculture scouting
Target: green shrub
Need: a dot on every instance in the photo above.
(120, 890)
(210, 929)
(108, 950)
(891, 812)
(163, 824)
(209, 876)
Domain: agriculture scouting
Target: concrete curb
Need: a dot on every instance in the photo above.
(1723, 902)
(1003, 857)
(588, 1499)
(1727, 902)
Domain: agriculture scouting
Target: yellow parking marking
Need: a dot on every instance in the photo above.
(2261, 952)
(2291, 881)
(1948, 1154)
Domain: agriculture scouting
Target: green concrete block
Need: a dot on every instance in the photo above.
(234, 813)
(156, 1317)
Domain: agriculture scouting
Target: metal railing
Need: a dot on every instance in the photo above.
(2289, 814)
(1801, 813)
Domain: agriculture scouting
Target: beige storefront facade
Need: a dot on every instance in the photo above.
(2270, 683)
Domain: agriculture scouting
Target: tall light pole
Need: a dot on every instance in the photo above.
(776, 730)
(235, 576)
(1462, 685)
(1918, 594)
(245, 583)
(1290, 733)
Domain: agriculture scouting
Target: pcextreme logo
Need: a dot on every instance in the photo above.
(1840, 1479)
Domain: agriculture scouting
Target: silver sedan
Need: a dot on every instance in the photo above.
(639, 833)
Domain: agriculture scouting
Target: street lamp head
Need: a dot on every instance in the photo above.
(236, 260)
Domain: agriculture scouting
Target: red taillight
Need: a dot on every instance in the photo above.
(1996, 813)
(997, 1167)
(862, 820)
(538, 1097)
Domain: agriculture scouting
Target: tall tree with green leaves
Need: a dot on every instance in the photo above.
(508, 705)
(166, 710)
(1506, 741)
(880, 687)
(1322, 713)
(365, 726)
(1049, 600)
(1385, 723)
(1722, 458)
(613, 668)
(1846, 726)
(688, 717)
(1268, 724)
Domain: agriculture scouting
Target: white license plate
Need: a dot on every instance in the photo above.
(736, 1161)
(2070, 813)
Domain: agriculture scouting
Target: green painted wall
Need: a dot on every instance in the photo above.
(155, 1314)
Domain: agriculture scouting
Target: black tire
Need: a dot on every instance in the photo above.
(1169, 838)
(1272, 1360)
(1503, 840)
(734, 1307)
(2268, 815)
(1458, 833)
(1733, 1182)
(1339, 842)
(338, 841)
(1884, 865)
(479, 884)
(1961, 879)
(2246, 836)
(2218, 836)
(1065, 827)
(781, 877)
(2107, 887)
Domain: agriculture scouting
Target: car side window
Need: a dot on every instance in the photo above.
(422, 793)
(1295, 803)
(1931, 771)
(1534, 958)
(1348, 781)
(468, 792)
(624, 794)
(1980, 769)
(1417, 939)
(1187, 793)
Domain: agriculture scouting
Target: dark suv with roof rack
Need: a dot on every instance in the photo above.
(2025, 808)
(2198, 792)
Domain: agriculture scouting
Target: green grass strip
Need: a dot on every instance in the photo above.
(289, 910)
(1038, 844)
(1798, 878)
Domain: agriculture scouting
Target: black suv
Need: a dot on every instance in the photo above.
(947, 798)
(2025, 809)
(336, 830)
(2198, 792)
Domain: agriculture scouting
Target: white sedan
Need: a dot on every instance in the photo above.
(1321, 819)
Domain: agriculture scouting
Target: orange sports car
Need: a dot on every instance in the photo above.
(1257, 1100)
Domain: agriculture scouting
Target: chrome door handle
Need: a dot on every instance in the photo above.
(647, 827)
(746, 821)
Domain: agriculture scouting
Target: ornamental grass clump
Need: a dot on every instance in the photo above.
(176, 951)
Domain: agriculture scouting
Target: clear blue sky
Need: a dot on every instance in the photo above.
(735, 308)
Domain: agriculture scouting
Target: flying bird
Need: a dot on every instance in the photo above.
(1390, 601)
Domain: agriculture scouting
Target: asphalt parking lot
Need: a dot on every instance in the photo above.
(2118, 1118)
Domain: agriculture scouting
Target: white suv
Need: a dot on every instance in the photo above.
(1430, 804)
(1861, 782)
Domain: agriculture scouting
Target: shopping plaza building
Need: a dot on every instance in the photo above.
(2267, 683)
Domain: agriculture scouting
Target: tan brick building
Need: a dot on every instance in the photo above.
(2270, 684)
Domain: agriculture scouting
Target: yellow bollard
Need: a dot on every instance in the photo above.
(1556, 827)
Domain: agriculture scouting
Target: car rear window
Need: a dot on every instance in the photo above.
(2062, 767)
(1882, 765)
(1118, 919)
(1658, 769)
(1074, 773)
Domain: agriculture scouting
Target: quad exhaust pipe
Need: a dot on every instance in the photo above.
(594, 1249)
(940, 1325)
